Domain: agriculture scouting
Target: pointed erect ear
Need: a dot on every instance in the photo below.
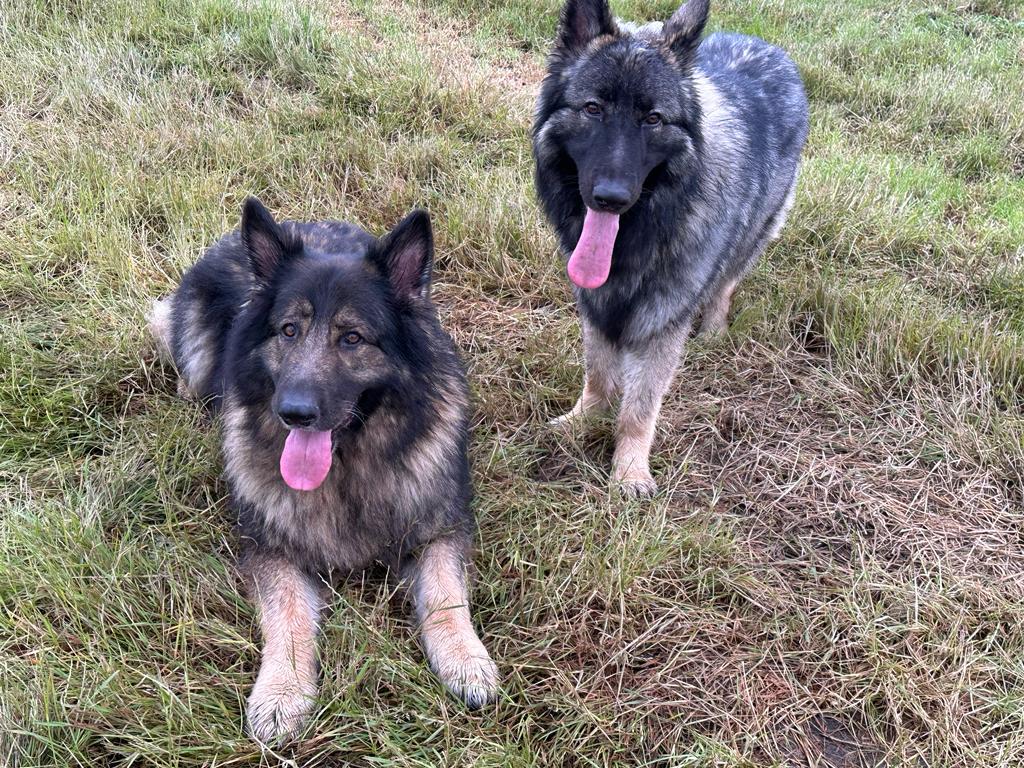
(582, 21)
(264, 239)
(682, 32)
(406, 255)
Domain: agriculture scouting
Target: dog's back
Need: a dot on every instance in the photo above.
(755, 125)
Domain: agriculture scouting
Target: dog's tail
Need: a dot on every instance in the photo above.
(158, 318)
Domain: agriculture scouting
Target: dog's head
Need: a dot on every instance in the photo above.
(618, 108)
(622, 101)
(333, 334)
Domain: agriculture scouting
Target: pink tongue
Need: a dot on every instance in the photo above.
(306, 459)
(591, 262)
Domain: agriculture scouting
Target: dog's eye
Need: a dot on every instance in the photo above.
(592, 108)
(653, 119)
(289, 330)
(351, 338)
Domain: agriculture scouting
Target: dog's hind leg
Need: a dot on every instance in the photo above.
(289, 609)
(647, 376)
(451, 645)
(158, 318)
(601, 378)
(716, 311)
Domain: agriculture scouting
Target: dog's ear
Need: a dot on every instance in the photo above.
(582, 21)
(682, 32)
(264, 239)
(406, 255)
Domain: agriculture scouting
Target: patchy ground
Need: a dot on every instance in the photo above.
(833, 573)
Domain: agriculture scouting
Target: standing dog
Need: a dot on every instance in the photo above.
(345, 413)
(665, 165)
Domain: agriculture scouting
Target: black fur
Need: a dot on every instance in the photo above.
(297, 333)
(669, 252)
(230, 309)
(694, 144)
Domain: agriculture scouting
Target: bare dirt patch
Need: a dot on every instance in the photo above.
(459, 59)
(818, 470)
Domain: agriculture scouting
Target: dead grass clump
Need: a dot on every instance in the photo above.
(818, 468)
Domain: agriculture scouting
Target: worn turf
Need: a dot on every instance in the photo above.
(833, 573)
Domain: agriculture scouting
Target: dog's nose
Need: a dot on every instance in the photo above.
(298, 410)
(611, 195)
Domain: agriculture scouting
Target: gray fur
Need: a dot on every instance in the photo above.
(722, 181)
(266, 311)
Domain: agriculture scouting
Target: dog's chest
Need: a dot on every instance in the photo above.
(349, 522)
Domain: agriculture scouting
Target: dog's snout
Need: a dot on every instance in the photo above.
(298, 410)
(612, 196)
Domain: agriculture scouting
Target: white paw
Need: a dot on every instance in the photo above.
(467, 671)
(279, 707)
(636, 483)
(567, 423)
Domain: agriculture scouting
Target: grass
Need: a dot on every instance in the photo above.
(832, 573)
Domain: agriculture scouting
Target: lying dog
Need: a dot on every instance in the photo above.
(345, 420)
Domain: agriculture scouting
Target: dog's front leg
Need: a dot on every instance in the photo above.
(603, 370)
(289, 607)
(451, 645)
(647, 375)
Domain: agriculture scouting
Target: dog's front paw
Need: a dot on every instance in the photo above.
(635, 483)
(279, 707)
(475, 681)
(568, 424)
(466, 669)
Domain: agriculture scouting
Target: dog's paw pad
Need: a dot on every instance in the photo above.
(277, 712)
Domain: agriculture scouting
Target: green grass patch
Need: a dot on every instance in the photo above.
(833, 563)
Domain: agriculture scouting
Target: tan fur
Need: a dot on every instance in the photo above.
(601, 382)
(433, 447)
(450, 642)
(647, 376)
(716, 311)
(286, 687)
(255, 479)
